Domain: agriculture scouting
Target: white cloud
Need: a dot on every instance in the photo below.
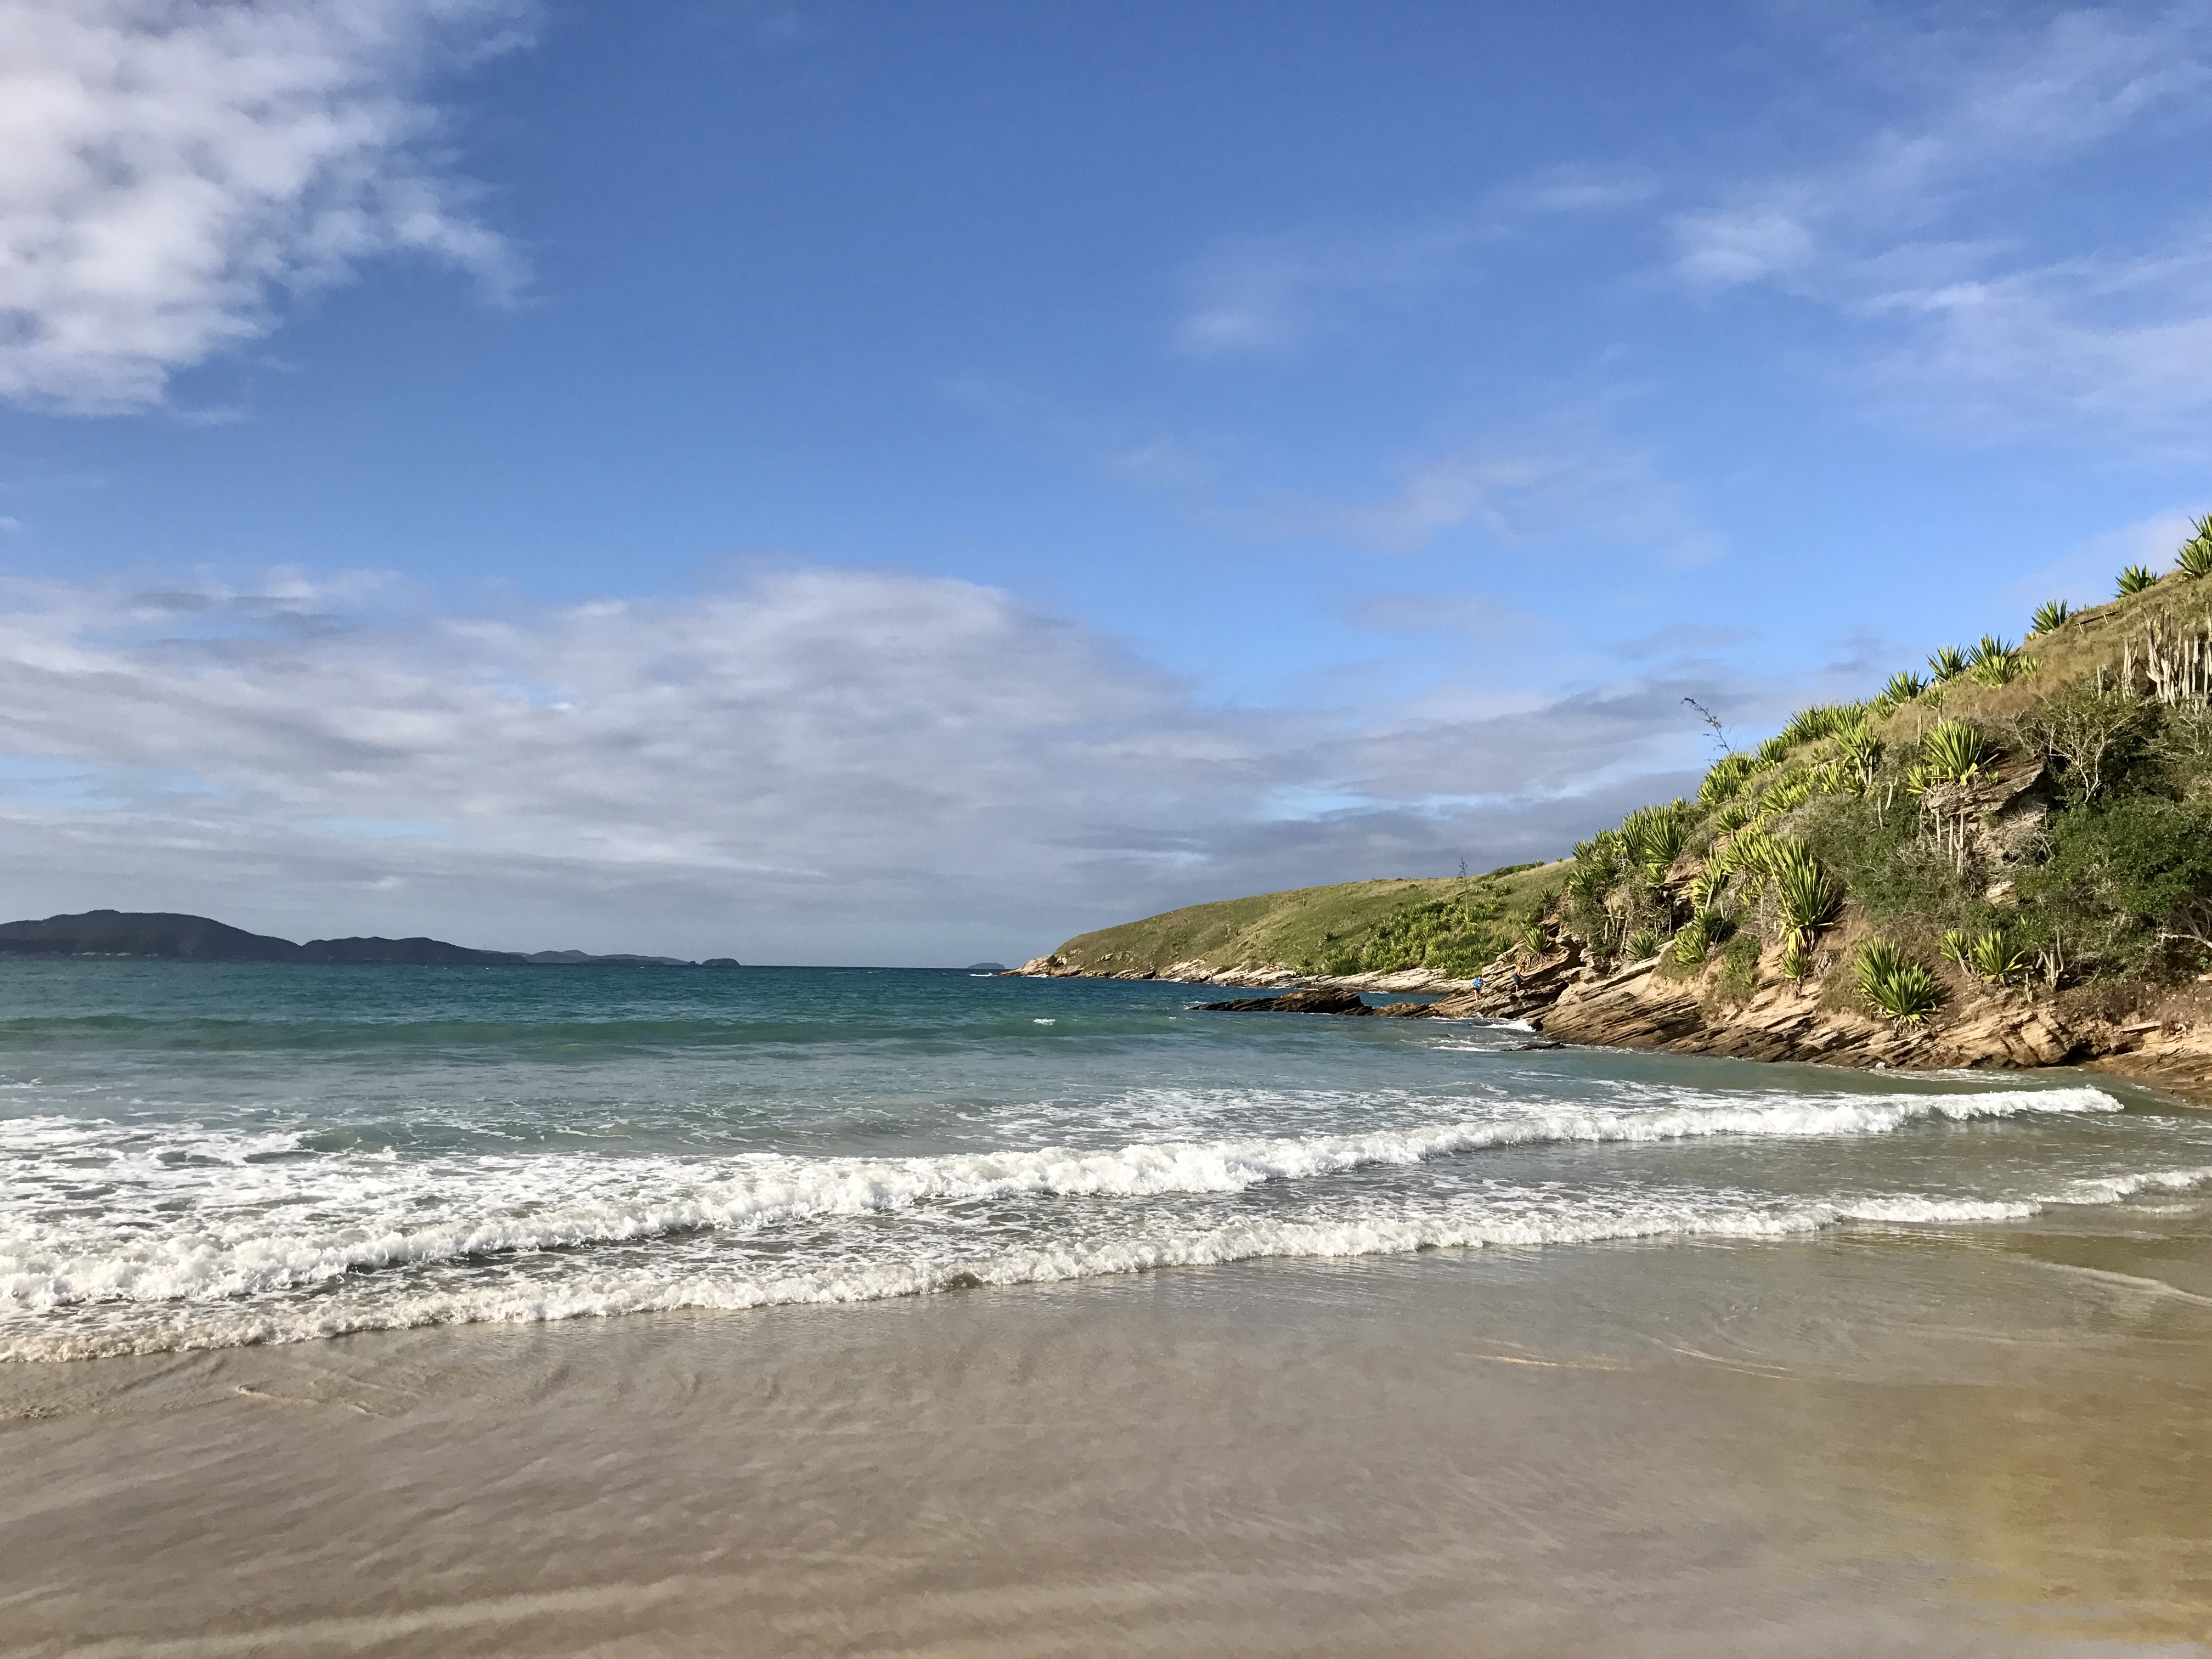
(821, 764)
(171, 169)
(1994, 337)
(1560, 490)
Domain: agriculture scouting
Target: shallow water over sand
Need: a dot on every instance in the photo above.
(204, 1156)
(1935, 1444)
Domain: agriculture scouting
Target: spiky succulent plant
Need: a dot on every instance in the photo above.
(1807, 895)
(1952, 751)
(1995, 956)
(2196, 560)
(1947, 664)
(2048, 616)
(1692, 943)
(1895, 984)
(2135, 579)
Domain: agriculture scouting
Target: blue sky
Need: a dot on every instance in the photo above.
(854, 482)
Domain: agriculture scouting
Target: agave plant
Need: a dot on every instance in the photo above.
(2002, 669)
(1774, 748)
(1859, 751)
(1903, 686)
(1787, 795)
(2049, 617)
(1795, 963)
(1957, 941)
(1642, 944)
(1692, 943)
(1732, 817)
(1947, 664)
(1989, 647)
(1995, 956)
(2135, 579)
(1952, 751)
(1654, 838)
(1895, 983)
(1707, 887)
(2196, 560)
(1820, 721)
(1727, 776)
(1807, 895)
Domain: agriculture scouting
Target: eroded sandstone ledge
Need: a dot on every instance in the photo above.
(2167, 1044)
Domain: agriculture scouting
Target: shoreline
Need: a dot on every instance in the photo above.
(1971, 1441)
(2165, 1045)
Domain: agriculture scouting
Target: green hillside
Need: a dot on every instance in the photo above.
(2023, 819)
(1453, 923)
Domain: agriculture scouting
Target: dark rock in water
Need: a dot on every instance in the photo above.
(721, 962)
(1403, 1010)
(1322, 1000)
(986, 968)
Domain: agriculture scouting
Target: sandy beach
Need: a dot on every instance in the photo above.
(1990, 1441)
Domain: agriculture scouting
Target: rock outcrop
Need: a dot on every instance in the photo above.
(1636, 1007)
(1322, 1000)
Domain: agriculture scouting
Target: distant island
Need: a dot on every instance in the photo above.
(166, 936)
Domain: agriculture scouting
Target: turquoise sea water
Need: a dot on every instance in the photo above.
(200, 1154)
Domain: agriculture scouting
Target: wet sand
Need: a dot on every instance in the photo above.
(1983, 1442)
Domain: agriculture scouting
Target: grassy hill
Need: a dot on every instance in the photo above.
(1452, 923)
(2022, 820)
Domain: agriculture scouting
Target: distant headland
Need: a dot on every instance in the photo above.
(163, 935)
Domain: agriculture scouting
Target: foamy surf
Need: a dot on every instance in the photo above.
(543, 1146)
(199, 1238)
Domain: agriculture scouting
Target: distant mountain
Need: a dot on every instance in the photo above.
(197, 939)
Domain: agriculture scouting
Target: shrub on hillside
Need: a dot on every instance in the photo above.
(2129, 881)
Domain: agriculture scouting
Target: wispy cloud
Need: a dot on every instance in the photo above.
(1269, 294)
(1561, 490)
(169, 172)
(1261, 295)
(1912, 230)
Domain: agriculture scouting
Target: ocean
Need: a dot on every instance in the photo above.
(199, 1156)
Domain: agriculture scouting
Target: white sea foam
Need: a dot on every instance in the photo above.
(608, 1292)
(1525, 1219)
(195, 1217)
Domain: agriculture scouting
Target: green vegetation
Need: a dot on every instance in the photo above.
(1691, 943)
(1895, 984)
(1995, 956)
(1947, 664)
(2039, 824)
(2135, 580)
(1455, 924)
(2196, 558)
(1903, 686)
